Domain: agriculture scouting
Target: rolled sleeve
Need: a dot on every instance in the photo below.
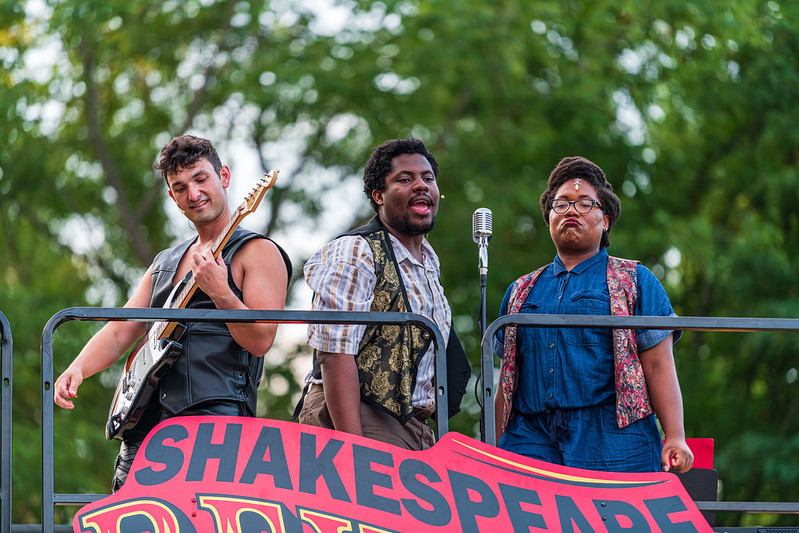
(648, 338)
(341, 275)
(652, 301)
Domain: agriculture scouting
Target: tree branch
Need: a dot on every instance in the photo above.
(128, 218)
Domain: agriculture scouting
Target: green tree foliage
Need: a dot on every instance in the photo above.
(686, 105)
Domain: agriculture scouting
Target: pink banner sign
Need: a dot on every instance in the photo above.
(255, 475)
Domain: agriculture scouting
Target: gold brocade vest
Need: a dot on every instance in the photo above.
(388, 354)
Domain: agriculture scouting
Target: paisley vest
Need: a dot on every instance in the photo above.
(632, 397)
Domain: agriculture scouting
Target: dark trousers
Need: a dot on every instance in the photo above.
(130, 446)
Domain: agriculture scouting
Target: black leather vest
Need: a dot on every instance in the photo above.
(212, 366)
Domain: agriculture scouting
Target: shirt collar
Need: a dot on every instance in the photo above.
(402, 253)
(602, 255)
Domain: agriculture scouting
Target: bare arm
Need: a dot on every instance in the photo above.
(103, 349)
(260, 272)
(342, 391)
(664, 392)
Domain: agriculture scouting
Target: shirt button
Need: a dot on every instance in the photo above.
(549, 396)
(551, 345)
(551, 370)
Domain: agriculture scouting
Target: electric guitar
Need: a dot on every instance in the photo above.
(161, 347)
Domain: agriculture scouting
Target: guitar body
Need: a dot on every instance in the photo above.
(143, 370)
(151, 361)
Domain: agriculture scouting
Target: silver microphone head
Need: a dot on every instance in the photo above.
(482, 226)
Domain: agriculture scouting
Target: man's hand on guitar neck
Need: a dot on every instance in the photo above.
(211, 276)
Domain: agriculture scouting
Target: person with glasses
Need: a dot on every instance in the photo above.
(589, 397)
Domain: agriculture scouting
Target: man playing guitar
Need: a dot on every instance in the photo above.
(220, 365)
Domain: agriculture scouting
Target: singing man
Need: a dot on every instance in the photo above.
(378, 381)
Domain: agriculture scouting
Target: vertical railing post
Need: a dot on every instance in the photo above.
(48, 508)
(6, 369)
(487, 392)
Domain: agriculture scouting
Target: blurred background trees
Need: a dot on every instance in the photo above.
(688, 107)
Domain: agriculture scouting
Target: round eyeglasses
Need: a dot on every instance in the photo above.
(583, 205)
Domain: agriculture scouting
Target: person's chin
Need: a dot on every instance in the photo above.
(413, 225)
(426, 227)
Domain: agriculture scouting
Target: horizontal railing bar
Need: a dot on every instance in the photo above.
(76, 499)
(749, 507)
(685, 323)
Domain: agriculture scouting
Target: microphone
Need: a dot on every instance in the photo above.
(482, 228)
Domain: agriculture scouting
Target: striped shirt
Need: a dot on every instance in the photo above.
(342, 277)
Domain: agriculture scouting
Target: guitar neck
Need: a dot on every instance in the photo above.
(164, 329)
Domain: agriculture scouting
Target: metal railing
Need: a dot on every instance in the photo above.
(730, 324)
(50, 498)
(6, 369)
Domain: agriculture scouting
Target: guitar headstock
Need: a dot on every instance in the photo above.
(255, 196)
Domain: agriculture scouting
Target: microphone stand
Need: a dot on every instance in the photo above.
(482, 228)
(487, 416)
(483, 279)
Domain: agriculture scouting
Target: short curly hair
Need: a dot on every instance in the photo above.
(379, 164)
(183, 152)
(579, 167)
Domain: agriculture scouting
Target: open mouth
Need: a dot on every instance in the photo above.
(198, 205)
(421, 206)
